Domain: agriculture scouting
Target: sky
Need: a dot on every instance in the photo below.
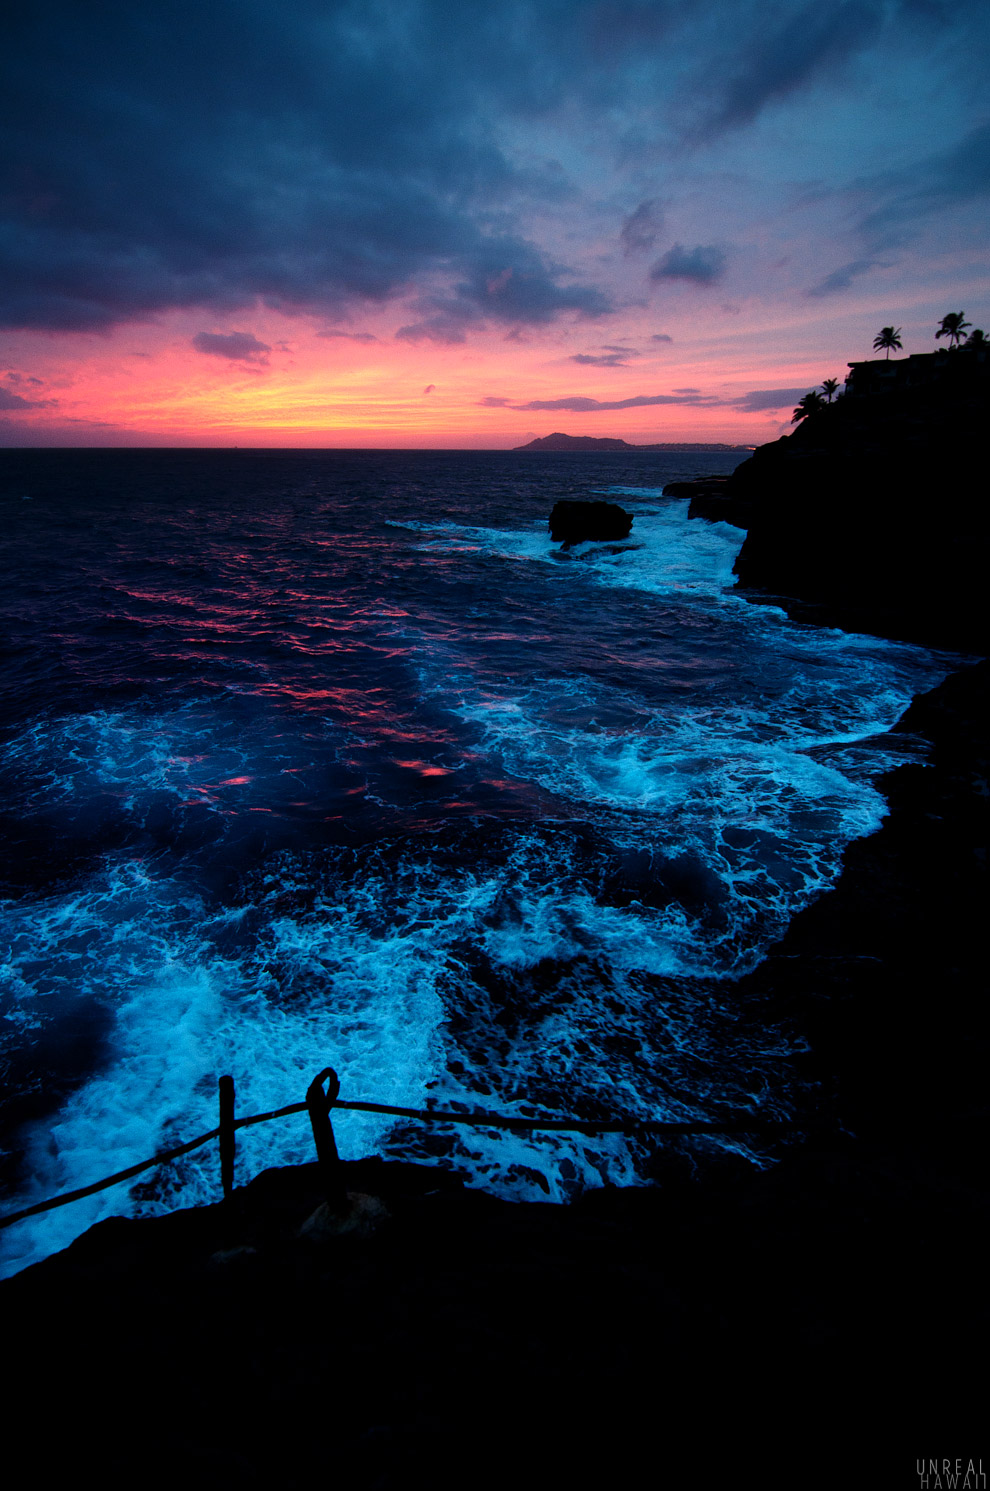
(465, 223)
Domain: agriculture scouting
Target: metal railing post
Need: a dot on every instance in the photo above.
(228, 1142)
(319, 1104)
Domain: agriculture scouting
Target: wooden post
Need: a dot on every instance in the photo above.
(227, 1140)
(319, 1104)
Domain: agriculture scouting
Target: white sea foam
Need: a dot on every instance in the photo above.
(665, 552)
(190, 998)
(632, 491)
(129, 754)
(677, 784)
(352, 976)
(514, 964)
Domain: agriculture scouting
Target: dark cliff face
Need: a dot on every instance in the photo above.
(886, 974)
(875, 510)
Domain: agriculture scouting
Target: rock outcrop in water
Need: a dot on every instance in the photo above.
(711, 498)
(874, 509)
(578, 522)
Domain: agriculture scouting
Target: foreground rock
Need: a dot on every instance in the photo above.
(823, 1320)
(777, 1319)
(711, 498)
(887, 973)
(579, 522)
(873, 510)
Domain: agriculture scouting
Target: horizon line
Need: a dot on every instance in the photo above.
(406, 449)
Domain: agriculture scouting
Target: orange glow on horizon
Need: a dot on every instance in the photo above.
(149, 385)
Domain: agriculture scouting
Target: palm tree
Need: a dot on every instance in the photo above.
(890, 336)
(810, 404)
(829, 387)
(953, 325)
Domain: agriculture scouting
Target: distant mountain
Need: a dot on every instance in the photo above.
(593, 442)
(574, 442)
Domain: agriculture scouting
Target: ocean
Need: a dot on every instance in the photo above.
(333, 758)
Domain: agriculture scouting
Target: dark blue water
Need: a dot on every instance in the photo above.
(332, 758)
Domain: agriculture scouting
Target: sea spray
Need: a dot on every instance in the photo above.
(354, 766)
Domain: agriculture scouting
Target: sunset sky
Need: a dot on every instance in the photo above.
(468, 222)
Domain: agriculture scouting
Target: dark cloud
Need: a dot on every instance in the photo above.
(445, 320)
(703, 264)
(789, 52)
(736, 61)
(579, 405)
(350, 336)
(642, 228)
(768, 398)
(236, 346)
(902, 199)
(329, 156)
(11, 401)
(314, 156)
(615, 27)
(617, 359)
(491, 401)
(430, 388)
(842, 278)
(511, 283)
(904, 202)
(660, 336)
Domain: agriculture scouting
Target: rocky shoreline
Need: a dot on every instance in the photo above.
(816, 1323)
(869, 515)
(827, 1308)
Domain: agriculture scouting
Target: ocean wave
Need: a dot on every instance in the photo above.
(481, 821)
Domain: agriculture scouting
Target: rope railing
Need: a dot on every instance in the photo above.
(320, 1101)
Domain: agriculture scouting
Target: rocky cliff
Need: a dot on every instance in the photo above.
(875, 512)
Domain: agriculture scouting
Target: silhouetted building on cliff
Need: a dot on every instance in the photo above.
(880, 375)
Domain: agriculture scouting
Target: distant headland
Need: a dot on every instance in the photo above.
(592, 442)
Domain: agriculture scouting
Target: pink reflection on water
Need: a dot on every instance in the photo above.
(174, 597)
(425, 769)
